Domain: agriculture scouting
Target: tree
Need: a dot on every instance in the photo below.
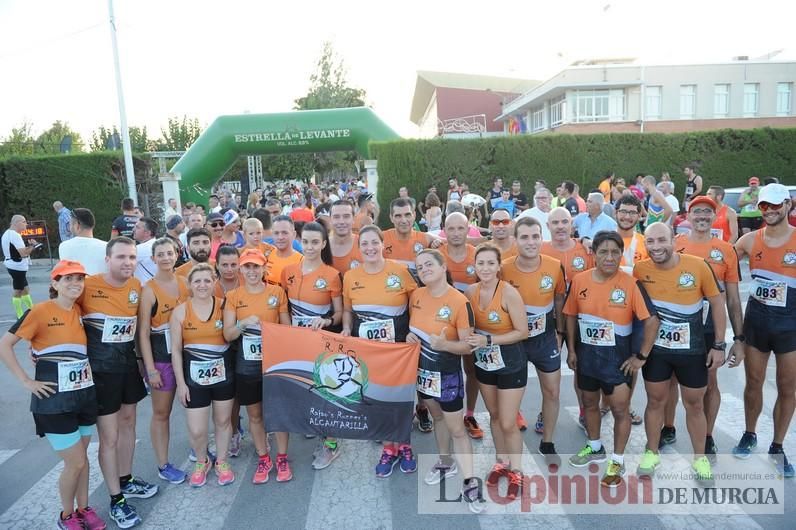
(139, 139)
(179, 135)
(19, 142)
(49, 141)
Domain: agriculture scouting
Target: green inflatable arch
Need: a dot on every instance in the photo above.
(228, 137)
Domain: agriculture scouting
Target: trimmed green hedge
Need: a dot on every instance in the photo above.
(727, 157)
(30, 185)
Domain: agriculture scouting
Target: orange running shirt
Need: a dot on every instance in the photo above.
(431, 315)
(352, 260)
(574, 260)
(719, 254)
(538, 290)
(494, 320)
(404, 250)
(276, 264)
(267, 306)
(772, 296)
(721, 225)
(159, 333)
(463, 272)
(207, 358)
(310, 295)
(184, 269)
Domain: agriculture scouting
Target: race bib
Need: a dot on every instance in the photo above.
(380, 330)
(252, 347)
(429, 383)
(74, 375)
(537, 324)
(597, 332)
(674, 336)
(302, 321)
(770, 293)
(489, 358)
(118, 329)
(205, 373)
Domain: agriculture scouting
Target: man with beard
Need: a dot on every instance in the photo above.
(677, 284)
(721, 257)
(342, 240)
(198, 250)
(402, 243)
(502, 229)
(769, 321)
(628, 212)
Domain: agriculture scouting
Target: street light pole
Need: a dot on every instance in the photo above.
(128, 154)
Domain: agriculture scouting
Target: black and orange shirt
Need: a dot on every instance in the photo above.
(719, 254)
(352, 260)
(404, 250)
(494, 320)
(160, 334)
(575, 260)
(378, 302)
(110, 318)
(310, 295)
(510, 253)
(538, 290)
(677, 295)
(605, 313)
(462, 272)
(772, 296)
(635, 251)
(58, 344)
(207, 360)
(267, 306)
(219, 291)
(430, 315)
(276, 264)
(185, 269)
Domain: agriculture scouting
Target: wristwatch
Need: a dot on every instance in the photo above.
(740, 337)
(721, 346)
(642, 357)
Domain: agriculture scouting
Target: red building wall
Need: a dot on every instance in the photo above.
(459, 102)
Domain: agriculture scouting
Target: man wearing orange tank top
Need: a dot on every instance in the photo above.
(725, 226)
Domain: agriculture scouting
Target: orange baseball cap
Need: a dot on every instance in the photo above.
(252, 255)
(702, 199)
(65, 266)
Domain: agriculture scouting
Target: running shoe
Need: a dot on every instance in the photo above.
(386, 463)
(234, 445)
(704, 474)
(325, 455)
(521, 423)
(668, 436)
(264, 466)
(210, 454)
(635, 419)
(498, 470)
(613, 475)
(710, 449)
(171, 474)
(473, 429)
(471, 495)
(586, 456)
(199, 475)
(539, 425)
(744, 448)
(72, 522)
(124, 514)
(548, 451)
(407, 462)
(224, 473)
(139, 489)
(91, 521)
(515, 484)
(283, 472)
(439, 471)
(780, 461)
(425, 423)
(649, 463)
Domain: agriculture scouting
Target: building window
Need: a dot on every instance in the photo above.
(537, 119)
(750, 99)
(784, 91)
(687, 101)
(653, 95)
(557, 111)
(721, 101)
(599, 105)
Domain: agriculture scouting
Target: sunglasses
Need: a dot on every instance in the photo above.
(498, 222)
(217, 224)
(766, 206)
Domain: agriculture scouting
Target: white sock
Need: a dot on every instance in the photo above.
(595, 445)
(619, 459)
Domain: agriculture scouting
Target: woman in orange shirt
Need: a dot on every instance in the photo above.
(227, 266)
(202, 362)
(244, 309)
(501, 365)
(64, 402)
(160, 296)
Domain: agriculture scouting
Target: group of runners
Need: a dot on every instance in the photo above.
(621, 301)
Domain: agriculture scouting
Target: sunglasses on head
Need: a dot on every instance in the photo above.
(216, 224)
(766, 206)
(498, 222)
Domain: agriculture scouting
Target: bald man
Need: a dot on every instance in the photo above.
(17, 262)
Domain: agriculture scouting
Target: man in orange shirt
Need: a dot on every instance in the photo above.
(677, 284)
(368, 211)
(284, 232)
(403, 243)
(571, 253)
(198, 244)
(628, 212)
(342, 240)
(725, 223)
(502, 229)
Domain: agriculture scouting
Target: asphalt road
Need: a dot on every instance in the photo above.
(347, 494)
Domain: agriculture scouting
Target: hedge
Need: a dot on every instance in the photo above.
(30, 185)
(727, 157)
